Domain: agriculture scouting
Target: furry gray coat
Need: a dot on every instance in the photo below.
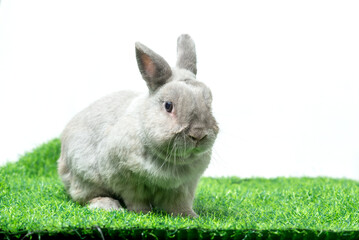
(149, 150)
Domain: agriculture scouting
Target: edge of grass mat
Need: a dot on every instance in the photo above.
(105, 233)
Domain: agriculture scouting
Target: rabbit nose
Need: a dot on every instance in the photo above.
(197, 135)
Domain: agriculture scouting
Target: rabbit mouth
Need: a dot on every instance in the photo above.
(179, 150)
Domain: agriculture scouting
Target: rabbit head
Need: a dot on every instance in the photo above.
(176, 119)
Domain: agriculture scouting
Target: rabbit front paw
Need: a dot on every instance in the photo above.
(139, 208)
(186, 213)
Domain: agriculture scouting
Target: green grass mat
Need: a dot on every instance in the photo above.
(33, 204)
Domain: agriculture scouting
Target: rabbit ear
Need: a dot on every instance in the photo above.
(186, 53)
(154, 69)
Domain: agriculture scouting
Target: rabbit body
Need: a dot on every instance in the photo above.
(147, 149)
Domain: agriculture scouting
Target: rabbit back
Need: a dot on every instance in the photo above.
(84, 139)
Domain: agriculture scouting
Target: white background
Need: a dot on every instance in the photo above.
(284, 74)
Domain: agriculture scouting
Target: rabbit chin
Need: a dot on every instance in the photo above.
(178, 156)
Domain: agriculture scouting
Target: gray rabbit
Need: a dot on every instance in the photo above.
(147, 149)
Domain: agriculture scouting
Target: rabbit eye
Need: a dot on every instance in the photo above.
(168, 106)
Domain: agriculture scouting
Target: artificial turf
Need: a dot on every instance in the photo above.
(33, 204)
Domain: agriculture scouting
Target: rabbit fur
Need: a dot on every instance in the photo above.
(149, 150)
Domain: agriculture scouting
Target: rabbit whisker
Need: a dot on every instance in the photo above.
(165, 161)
